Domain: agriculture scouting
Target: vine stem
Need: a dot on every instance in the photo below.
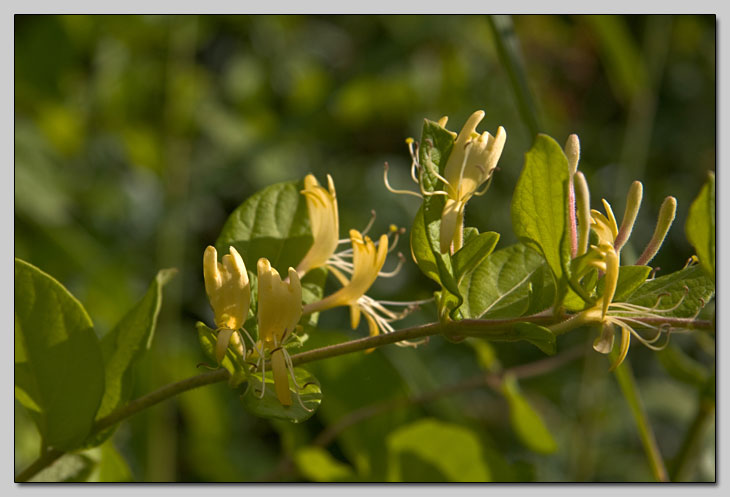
(467, 327)
(627, 383)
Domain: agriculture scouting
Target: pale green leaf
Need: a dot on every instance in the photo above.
(540, 201)
(430, 450)
(99, 464)
(58, 364)
(124, 345)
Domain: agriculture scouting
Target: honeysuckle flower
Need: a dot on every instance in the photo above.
(229, 293)
(368, 259)
(471, 163)
(605, 257)
(279, 310)
(322, 208)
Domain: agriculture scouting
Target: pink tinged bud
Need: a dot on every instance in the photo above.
(582, 201)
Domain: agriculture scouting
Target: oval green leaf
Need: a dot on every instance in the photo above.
(59, 372)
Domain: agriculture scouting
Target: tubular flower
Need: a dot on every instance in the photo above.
(279, 310)
(367, 261)
(470, 164)
(605, 257)
(229, 293)
(322, 208)
(472, 161)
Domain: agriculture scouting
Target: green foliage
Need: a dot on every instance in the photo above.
(526, 421)
(700, 226)
(509, 282)
(630, 278)
(272, 223)
(474, 251)
(231, 361)
(268, 406)
(680, 294)
(430, 450)
(540, 200)
(123, 346)
(59, 370)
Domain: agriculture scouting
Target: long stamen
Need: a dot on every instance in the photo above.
(390, 274)
(394, 190)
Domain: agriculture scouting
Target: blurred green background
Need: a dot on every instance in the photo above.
(136, 136)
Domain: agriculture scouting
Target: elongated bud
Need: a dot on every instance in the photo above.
(583, 206)
(572, 152)
(633, 203)
(666, 217)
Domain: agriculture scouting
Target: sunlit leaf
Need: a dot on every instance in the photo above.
(126, 344)
(100, 464)
(474, 251)
(59, 371)
(539, 202)
(430, 450)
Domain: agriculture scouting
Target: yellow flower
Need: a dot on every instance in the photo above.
(322, 208)
(471, 163)
(279, 310)
(226, 284)
(367, 261)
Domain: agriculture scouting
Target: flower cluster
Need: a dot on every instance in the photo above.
(280, 304)
(604, 256)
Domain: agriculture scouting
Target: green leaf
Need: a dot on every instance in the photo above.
(527, 422)
(270, 407)
(231, 361)
(507, 283)
(685, 292)
(539, 336)
(99, 464)
(700, 226)
(539, 202)
(474, 251)
(316, 464)
(124, 345)
(430, 450)
(629, 279)
(59, 371)
(272, 223)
